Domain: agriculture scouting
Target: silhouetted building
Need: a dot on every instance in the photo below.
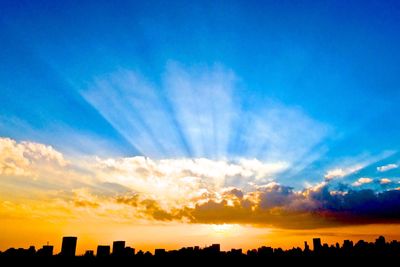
(129, 251)
(31, 250)
(347, 244)
(216, 247)
(265, 251)
(317, 244)
(236, 252)
(118, 248)
(380, 242)
(89, 253)
(159, 252)
(45, 251)
(361, 250)
(68, 247)
(213, 249)
(103, 251)
(306, 247)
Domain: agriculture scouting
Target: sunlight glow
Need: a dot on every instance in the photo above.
(197, 114)
(225, 230)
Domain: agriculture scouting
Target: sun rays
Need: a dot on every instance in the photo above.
(197, 113)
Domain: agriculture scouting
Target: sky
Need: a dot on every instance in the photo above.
(237, 122)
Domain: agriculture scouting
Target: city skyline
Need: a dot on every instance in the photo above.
(120, 249)
(166, 123)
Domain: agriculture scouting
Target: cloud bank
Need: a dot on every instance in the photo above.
(196, 190)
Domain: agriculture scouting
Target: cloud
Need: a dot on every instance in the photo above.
(317, 207)
(342, 172)
(134, 189)
(177, 180)
(387, 167)
(385, 181)
(361, 181)
(353, 165)
(20, 158)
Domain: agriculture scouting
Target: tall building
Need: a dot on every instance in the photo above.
(306, 247)
(317, 244)
(380, 242)
(103, 251)
(118, 248)
(68, 247)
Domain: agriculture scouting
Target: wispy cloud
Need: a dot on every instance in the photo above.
(353, 165)
(342, 172)
(387, 167)
(362, 181)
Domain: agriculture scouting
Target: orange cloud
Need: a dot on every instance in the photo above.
(182, 190)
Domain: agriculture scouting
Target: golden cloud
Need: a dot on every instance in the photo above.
(188, 190)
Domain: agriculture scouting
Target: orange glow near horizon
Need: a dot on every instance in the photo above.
(169, 203)
(23, 233)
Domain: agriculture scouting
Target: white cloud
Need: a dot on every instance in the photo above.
(40, 152)
(387, 167)
(181, 179)
(170, 181)
(385, 181)
(361, 181)
(353, 165)
(342, 172)
(12, 159)
(22, 158)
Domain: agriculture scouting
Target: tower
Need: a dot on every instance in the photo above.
(317, 244)
(68, 247)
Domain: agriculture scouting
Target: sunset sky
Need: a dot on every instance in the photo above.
(181, 123)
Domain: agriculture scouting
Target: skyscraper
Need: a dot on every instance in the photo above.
(118, 248)
(317, 244)
(68, 247)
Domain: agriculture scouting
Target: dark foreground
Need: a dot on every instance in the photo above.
(378, 253)
(221, 260)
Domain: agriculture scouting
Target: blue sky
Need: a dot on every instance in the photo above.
(312, 83)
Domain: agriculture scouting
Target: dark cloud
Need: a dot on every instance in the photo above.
(280, 206)
(359, 206)
(150, 208)
(234, 192)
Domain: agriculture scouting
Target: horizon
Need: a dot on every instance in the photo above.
(308, 245)
(231, 122)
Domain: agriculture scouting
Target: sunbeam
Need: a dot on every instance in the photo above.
(210, 121)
